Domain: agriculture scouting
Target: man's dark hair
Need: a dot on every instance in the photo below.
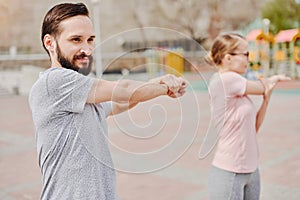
(59, 13)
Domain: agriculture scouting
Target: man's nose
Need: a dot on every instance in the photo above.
(86, 49)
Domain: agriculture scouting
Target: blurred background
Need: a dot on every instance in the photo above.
(141, 39)
(270, 26)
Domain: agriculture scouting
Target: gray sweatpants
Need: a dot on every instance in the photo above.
(226, 185)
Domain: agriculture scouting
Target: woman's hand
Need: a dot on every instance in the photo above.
(269, 83)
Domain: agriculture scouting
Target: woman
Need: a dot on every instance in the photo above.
(234, 173)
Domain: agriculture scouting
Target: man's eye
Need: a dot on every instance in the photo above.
(76, 39)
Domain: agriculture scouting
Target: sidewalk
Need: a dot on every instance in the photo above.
(186, 178)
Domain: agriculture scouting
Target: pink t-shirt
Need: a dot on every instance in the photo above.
(234, 117)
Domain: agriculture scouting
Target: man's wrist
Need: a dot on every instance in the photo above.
(165, 88)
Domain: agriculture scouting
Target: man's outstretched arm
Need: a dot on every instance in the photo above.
(133, 92)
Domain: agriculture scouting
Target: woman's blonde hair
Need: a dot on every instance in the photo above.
(225, 43)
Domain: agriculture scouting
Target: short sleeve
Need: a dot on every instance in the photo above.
(234, 84)
(69, 89)
(107, 107)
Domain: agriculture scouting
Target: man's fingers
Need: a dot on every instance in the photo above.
(175, 84)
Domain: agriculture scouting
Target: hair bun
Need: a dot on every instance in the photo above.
(208, 58)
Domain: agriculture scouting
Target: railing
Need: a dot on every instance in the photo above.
(19, 57)
(114, 55)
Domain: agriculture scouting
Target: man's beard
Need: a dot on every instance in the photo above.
(65, 63)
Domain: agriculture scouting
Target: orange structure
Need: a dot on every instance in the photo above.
(274, 55)
(260, 51)
(287, 52)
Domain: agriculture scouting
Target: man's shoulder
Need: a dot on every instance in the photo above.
(59, 75)
(59, 71)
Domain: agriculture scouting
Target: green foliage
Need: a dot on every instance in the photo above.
(283, 14)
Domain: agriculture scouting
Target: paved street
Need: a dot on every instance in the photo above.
(173, 128)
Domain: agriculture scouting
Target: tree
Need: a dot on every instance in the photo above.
(283, 14)
(184, 15)
(216, 20)
(206, 19)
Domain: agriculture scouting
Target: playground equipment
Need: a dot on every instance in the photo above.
(164, 60)
(287, 52)
(270, 55)
(260, 53)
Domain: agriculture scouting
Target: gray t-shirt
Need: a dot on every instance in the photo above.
(71, 138)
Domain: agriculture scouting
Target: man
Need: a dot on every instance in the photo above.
(69, 109)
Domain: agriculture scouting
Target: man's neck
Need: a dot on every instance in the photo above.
(55, 64)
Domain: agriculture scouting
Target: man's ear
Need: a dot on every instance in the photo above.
(49, 42)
